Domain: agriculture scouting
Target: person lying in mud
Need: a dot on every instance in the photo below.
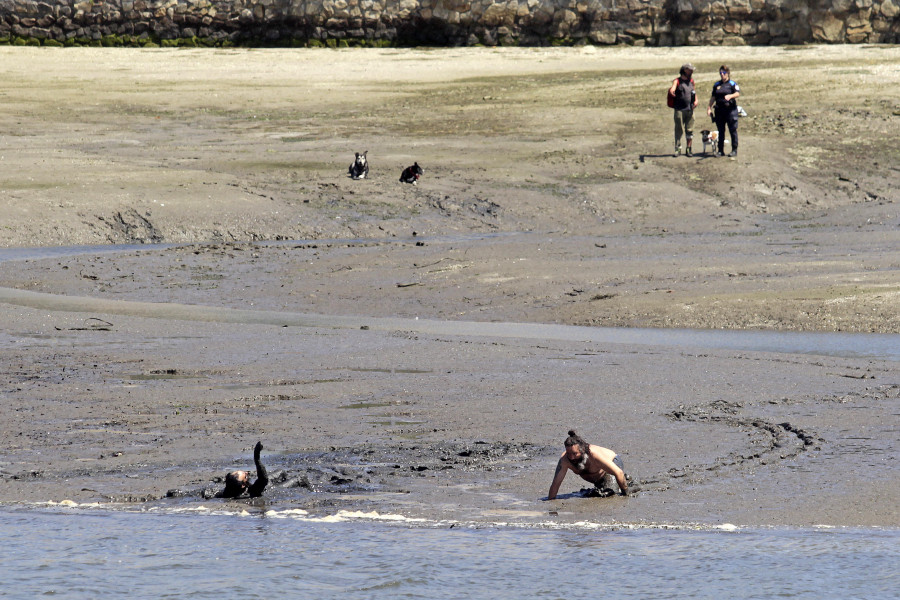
(594, 464)
(238, 482)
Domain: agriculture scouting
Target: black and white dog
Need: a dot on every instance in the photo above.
(359, 168)
(411, 174)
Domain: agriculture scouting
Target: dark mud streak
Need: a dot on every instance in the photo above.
(318, 478)
(771, 440)
(782, 441)
(878, 393)
(131, 227)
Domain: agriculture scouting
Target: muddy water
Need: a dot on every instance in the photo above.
(849, 345)
(78, 553)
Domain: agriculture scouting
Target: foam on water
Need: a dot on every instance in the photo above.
(89, 550)
(346, 516)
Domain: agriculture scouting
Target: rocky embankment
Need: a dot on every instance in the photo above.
(447, 22)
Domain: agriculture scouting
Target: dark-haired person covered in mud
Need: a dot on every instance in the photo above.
(594, 464)
(238, 482)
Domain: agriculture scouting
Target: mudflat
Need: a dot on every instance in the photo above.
(338, 320)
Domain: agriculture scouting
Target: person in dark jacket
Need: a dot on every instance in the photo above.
(723, 99)
(684, 103)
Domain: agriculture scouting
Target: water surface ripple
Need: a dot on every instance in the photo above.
(91, 554)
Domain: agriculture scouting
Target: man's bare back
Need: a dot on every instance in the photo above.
(590, 466)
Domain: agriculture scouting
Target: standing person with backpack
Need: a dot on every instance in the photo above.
(724, 96)
(683, 98)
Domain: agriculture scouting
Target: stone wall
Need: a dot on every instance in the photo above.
(447, 22)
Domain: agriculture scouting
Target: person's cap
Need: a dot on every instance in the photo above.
(687, 67)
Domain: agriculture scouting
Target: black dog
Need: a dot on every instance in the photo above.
(411, 174)
(359, 168)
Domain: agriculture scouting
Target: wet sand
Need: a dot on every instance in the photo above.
(548, 197)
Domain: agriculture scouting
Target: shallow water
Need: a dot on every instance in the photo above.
(847, 345)
(78, 553)
(39, 252)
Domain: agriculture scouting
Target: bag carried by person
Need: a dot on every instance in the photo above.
(670, 97)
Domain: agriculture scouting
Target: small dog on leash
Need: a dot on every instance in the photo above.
(710, 138)
(359, 168)
(411, 174)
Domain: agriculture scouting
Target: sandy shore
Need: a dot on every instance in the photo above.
(549, 196)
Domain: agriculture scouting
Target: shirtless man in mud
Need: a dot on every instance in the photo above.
(592, 463)
(238, 482)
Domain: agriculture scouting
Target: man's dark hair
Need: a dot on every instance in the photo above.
(576, 440)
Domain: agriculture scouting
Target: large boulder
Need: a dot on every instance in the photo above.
(827, 28)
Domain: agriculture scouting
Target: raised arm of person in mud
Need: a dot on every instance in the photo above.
(262, 477)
